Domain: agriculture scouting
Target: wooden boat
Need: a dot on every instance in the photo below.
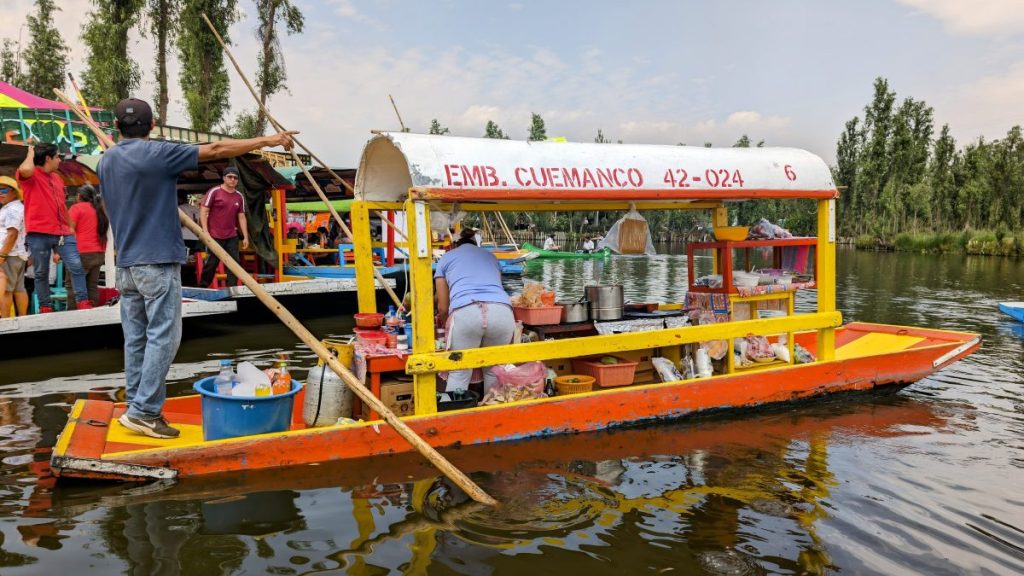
(542, 253)
(1014, 309)
(402, 172)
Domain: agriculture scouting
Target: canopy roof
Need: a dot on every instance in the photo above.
(453, 168)
(13, 97)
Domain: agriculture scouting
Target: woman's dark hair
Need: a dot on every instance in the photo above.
(44, 151)
(89, 194)
(467, 236)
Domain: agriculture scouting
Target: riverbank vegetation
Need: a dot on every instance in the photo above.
(904, 188)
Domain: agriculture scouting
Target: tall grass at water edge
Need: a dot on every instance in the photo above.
(1000, 242)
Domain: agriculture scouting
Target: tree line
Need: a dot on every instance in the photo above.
(897, 176)
(176, 26)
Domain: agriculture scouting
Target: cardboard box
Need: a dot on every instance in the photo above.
(398, 396)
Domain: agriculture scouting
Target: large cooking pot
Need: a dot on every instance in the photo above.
(605, 301)
(573, 311)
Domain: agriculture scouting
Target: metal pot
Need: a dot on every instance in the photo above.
(573, 311)
(605, 301)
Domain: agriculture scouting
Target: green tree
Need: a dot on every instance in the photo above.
(46, 57)
(272, 75)
(492, 131)
(8, 62)
(848, 152)
(600, 138)
(163, 24)
(743, 142)
(537, 131)
(111, 73)
(245, 125)
(437, 129)
(942, 182)
(203, 77)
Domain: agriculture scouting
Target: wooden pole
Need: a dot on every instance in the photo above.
(395, 106)
(277, 125)
(289, 320)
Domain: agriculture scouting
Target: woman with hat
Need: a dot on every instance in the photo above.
(13, 253)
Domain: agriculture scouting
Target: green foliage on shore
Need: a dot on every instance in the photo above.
(904, 188)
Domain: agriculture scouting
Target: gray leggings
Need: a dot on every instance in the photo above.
(474, 326)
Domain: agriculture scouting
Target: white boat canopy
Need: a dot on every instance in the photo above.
(481, 169)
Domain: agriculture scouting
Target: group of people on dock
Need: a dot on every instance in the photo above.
(38, 229)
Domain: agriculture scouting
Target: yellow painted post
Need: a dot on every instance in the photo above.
(826, 272)
(366, 284)
(421, 280)
(719, 218)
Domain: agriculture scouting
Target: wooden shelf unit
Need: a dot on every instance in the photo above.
(724, 258)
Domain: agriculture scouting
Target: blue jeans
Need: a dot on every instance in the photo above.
(41, 246)
(151, 320)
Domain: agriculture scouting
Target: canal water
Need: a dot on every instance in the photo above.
(924, 480)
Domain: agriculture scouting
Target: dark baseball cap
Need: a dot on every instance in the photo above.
(132, 111)
(230, 170)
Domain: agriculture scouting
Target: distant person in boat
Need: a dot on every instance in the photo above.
(139, 178)
(13, 253)
(588, 245)
(471, 304)
(549, 243)
(222, 215)
(90, 223)
(47, 224)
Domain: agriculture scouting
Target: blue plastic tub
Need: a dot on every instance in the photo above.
(232, 416)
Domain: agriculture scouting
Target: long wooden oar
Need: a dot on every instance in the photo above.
(277, 125)
(289, 320)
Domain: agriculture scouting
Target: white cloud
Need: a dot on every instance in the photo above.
(989, 106)
(974, 17)
(515, 7)
(750, 120)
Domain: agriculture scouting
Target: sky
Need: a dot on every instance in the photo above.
(789, 72)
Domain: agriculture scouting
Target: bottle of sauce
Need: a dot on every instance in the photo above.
(283, 382)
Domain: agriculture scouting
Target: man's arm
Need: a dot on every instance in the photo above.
(28, 167)
(12, 235)
(204, 215)
(244, 227)
(229, 148)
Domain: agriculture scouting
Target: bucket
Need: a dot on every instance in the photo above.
(344, 350)
(232, 416)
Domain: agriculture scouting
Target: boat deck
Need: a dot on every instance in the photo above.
(95, 445)
(101, 316)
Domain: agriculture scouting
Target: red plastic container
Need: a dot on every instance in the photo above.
(372, 337)
(539, 316)
(369, 319)
(606, 375)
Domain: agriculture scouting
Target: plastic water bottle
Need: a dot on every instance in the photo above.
(225, 380)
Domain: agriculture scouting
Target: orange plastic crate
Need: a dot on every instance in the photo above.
(606, 375)
(539, 316)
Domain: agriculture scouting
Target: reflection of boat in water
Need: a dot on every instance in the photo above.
(1013, 309)
(402, 172)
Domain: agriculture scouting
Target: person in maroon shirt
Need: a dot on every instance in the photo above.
(90, 223)
(222, 216)
(47, 224)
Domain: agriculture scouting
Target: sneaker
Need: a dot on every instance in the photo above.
(45, 309)
(153, 427)
(87, 305)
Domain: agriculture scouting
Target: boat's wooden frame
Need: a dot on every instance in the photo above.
(396, 174)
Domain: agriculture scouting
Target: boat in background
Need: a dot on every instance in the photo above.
(542, 253)
(1014, 309)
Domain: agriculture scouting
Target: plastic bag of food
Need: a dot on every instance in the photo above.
(516, 383)
(531, 296)
(667, 371)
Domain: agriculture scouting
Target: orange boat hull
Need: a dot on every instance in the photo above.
(90, 448)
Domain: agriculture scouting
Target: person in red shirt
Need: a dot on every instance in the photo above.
(90, 223)
(47, 224)
(222, 216)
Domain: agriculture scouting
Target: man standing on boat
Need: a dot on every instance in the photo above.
(222, 216)
(138, 180)
(47, 224)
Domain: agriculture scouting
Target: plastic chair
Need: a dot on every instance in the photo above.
(58, 294)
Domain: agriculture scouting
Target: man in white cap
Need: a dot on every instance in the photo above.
(139, 188)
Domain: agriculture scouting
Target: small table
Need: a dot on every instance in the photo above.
(377, 364)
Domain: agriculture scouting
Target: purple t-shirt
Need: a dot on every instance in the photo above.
(473, 275)
(224, 210)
